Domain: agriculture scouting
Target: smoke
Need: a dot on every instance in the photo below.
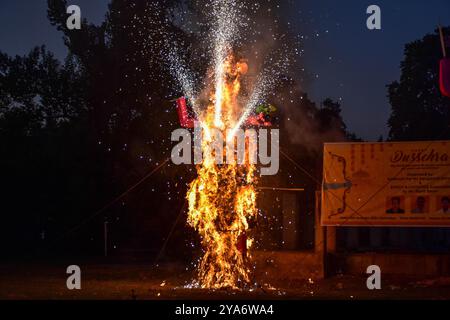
(303, 122)
(251, 30)
(258, 32)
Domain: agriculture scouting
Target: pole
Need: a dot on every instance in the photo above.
(320, 239)
(105, 234)
(281, 189)
(118, 198)
(441, 35)
(170, 233)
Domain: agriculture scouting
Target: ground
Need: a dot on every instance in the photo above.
(144, 281)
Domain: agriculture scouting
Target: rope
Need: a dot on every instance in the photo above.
(170, 233)
(111, 203)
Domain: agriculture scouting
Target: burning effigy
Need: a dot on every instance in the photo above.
(222, 198)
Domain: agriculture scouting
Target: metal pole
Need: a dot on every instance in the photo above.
(105, 234)
(281, 189)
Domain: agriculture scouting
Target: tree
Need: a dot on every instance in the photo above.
(419, 111)
(41, 137)
(130, 114)
(128, 92)
(329, 116)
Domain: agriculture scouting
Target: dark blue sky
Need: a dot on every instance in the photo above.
(363, 62)
(24, 24)
(347, 61)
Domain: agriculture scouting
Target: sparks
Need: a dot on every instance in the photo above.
(222, 199)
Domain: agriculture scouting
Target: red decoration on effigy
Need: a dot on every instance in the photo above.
(183, 114)
(242, 244)
(258, 120)
(186, 121)
(444, 76)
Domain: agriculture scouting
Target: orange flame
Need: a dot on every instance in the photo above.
(222, 199)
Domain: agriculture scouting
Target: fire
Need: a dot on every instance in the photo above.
(222, 199)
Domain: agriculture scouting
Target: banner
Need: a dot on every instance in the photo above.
(386, 184)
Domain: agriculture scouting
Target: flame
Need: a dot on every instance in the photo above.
(222, 199)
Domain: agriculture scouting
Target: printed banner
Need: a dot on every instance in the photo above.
(386, 184)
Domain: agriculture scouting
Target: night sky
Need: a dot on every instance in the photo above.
(346, 60)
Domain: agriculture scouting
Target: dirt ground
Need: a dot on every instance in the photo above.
(147, 282)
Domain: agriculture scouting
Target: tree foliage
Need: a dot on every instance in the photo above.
(42, 108)
(79, 133)
(419, 111)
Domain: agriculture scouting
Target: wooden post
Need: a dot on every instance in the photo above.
(319, 239)
(325, 238)
(331, 239)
